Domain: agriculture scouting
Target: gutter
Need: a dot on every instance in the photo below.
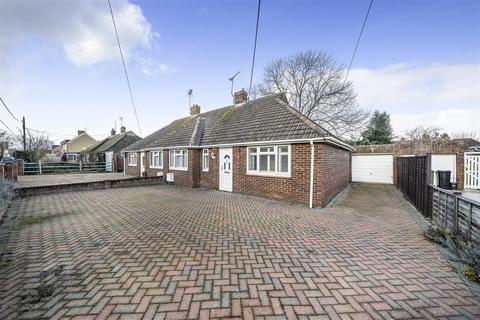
(312, 163)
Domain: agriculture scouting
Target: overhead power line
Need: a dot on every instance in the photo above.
(9, 110)
(124, 67)
(254, 49)
(7, 126)
(358, 40)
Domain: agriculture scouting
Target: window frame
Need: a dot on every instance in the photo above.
(74, 155)
(276, 152)
(205, 156)
(135, 156)
(175, 153)
(159, 153)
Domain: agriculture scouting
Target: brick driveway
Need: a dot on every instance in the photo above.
(167, 252)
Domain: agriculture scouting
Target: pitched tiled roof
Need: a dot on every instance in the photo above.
(109, 142)
(265, 119)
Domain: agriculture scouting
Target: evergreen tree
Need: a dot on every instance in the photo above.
(379, 130)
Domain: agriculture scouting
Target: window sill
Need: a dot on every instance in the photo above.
(271, 175)
(203, 170)
(132, 165)
(178, 169)
(152, 167)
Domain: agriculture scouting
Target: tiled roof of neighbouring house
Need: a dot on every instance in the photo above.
(268, 118)
(108, 143)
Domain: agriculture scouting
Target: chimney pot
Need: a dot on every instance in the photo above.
(240, 96)
(80, 132)
(123, 129)
(194, 110)
(113, 132)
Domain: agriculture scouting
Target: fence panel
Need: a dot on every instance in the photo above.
(412, 182)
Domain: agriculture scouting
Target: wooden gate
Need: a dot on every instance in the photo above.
(472, 170)
(412, 182)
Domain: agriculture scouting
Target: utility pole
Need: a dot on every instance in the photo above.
(24, 136)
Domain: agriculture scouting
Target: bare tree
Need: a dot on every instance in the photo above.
(37, 144)
(426, 133)
(5, 139)
(315, 85)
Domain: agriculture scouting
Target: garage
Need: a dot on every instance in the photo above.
(370, 168)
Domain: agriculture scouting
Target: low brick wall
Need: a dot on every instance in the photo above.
(85, 186)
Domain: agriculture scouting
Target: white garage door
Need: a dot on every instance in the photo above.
(372, 168)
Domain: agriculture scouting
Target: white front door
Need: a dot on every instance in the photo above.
(142, 163)
(226, 169)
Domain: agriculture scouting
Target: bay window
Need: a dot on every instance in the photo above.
(179, 159)
(156, 159)
(269, 160)
(205, 159)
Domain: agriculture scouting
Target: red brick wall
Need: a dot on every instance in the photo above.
(332, 173)
(295, 188)
(182, 178)
(152, 172)
(210, 179)
(132, 170)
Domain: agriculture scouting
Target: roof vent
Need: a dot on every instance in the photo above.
(194, 110)
(112, 132)
(240, 96)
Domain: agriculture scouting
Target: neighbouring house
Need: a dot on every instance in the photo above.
(261, 147)
(109, 149)
(378, 163)
(73, 149)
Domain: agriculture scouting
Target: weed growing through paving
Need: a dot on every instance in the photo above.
(463, 248)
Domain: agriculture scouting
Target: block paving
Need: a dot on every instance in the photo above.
(165, 252)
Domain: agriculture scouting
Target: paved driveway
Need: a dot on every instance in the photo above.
(167, 252)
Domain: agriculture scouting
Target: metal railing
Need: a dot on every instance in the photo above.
(40, 167)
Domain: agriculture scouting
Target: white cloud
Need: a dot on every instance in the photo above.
(151, 67)
(445, 95)
(82, 28)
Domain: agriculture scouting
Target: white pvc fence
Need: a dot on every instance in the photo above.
(472, 170)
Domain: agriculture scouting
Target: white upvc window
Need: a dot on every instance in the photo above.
(71, 157)
(179, 159)
(132, 158)
(156, 159)
(205, 159)
(269, 160)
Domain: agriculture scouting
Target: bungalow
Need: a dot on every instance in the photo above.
(261, 147)
(72, 149)
(108, 149)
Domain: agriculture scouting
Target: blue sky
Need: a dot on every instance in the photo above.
(418, 60)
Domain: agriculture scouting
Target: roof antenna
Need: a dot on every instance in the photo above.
(190, 95)
(231, 80)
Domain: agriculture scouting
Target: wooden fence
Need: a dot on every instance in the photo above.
(456, 213)
(412, 182)
(63, 167)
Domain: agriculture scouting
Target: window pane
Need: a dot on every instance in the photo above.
(252, 163)
(272, 163)
(160, 160)
(283, 149)
(283, 164)
(263, 149)
(263, 163)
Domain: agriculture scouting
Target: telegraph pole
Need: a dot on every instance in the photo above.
(24, 136)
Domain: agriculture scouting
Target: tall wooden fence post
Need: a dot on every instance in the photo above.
(39, 167)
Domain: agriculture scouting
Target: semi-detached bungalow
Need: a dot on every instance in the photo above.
(261, 147)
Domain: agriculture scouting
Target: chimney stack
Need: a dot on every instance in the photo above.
(240, 96)
(80, 132)
(123, 129)
(194, 110)
(113, 132)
